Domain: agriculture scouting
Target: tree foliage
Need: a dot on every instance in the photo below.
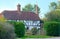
(28, 7)
(53, 16)
(31, 8)
(53, 6)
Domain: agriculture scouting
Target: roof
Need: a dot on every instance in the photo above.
(14, 15)
(1, 16)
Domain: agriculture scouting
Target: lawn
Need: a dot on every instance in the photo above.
(35, 36)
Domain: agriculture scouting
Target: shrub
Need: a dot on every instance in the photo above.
(52, 28)
(34, 31)
(19, 28)
(6, 31)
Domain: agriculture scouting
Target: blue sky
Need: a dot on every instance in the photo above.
(11, 5)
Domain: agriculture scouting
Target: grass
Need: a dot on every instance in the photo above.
(35, 36)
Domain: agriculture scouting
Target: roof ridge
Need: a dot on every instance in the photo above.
(10, 10)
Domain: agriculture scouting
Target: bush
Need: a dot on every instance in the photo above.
(34, 31)
(6, 31)
(52, 28)
(19, 28)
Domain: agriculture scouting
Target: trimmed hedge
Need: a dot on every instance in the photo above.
(19, 28)
(52, 28)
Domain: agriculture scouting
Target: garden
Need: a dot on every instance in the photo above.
(16, 30)
(12, 30)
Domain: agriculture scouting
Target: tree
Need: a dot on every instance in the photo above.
(52, 20)
(53, 6)
(31, 8)
(53, 16)
(28, 7)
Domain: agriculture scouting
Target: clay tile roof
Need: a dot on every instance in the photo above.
(14, 15)
(1, 15)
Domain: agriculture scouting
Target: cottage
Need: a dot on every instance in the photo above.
(29, 18)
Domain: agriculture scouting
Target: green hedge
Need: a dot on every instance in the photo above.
(19, 28)
(52, 28)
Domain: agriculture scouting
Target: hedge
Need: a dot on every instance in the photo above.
(52, 28)
(19, 28)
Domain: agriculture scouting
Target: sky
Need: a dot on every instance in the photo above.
(11, 5)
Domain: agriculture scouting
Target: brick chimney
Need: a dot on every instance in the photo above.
(18, 7)
(36, 9)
